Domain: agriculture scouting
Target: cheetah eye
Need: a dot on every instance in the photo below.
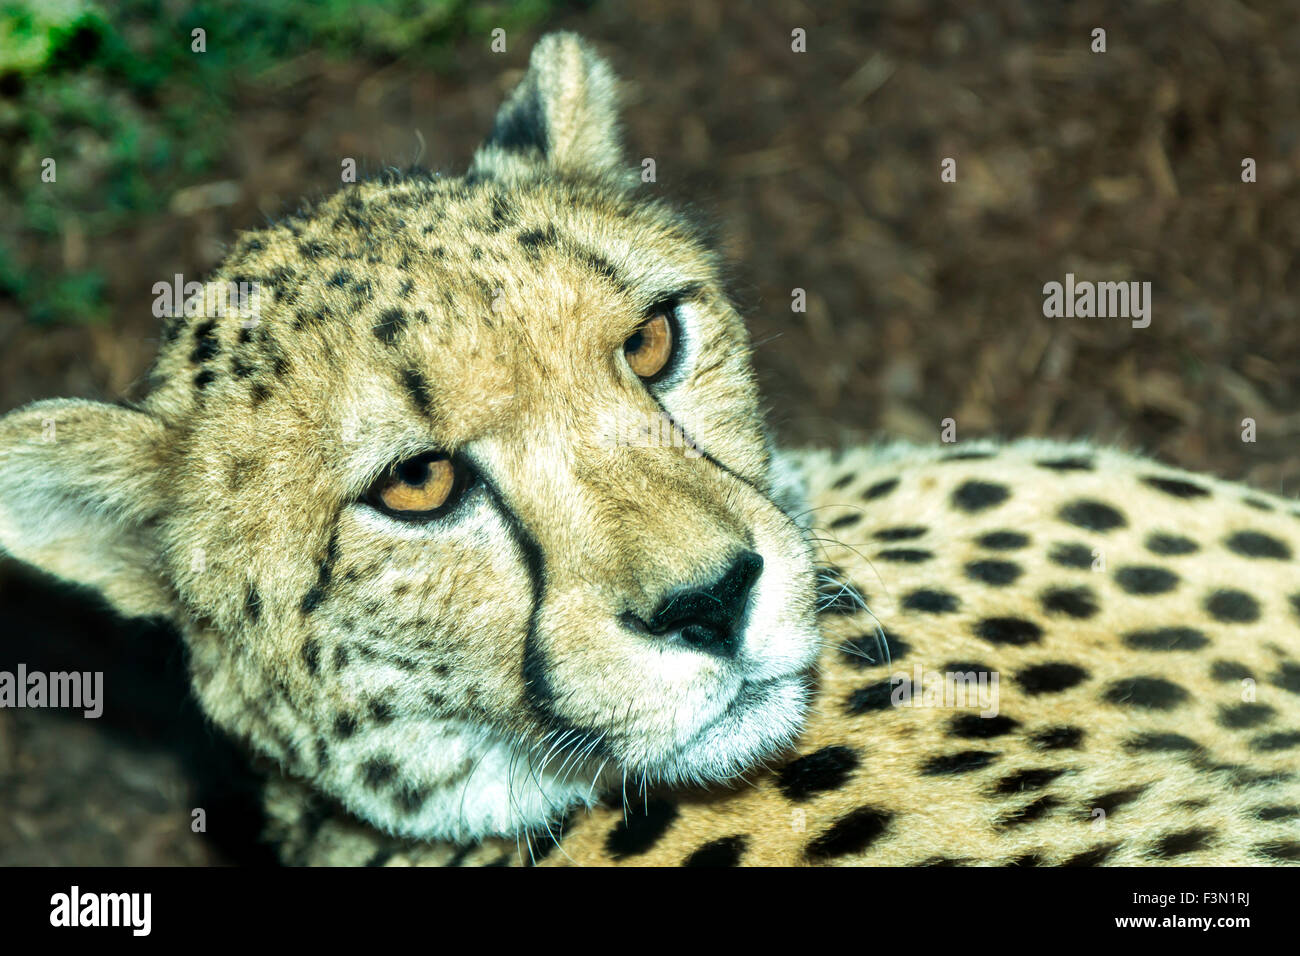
(420, 487)
(649, 350)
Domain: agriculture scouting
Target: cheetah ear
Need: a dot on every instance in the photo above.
(564, 112)
(78, 490)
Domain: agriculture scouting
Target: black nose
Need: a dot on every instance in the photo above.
(707, 618)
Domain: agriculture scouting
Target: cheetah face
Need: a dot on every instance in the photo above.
(478, 517)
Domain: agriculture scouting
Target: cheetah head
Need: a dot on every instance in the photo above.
(477, 515)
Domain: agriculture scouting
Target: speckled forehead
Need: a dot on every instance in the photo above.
(433, 306)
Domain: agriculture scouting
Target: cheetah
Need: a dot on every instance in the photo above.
(476, 537)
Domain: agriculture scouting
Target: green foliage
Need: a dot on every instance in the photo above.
(114, 92)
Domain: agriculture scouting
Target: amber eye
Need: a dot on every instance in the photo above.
(418, 487)
(650, 347)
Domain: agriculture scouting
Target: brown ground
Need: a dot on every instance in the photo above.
(823, 168)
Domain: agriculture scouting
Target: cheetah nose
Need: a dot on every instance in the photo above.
(707, 618)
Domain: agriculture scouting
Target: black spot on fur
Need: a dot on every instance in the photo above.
(1151, 693)
(975, 727)
(1176, 487)
(641, 829)
(205, 342)
(418, 388)
(377, 771)
(1033, 779)
(1057, 738)
(1002, 540)
(500, 212)
(340, 657)
(1255, 544)
(1144, 580)
(905, 555)
(311, 655)
(850, 834)
(410, 799)
(1166, 639)
(900, 534)
(1051, 678)
(1277, 813)
(1076, 602)
(340, 279)
(1072, 556)
(381, 711)
(599, 265)
(1288, 677)
(1162, 742)
(1282, 740)
(865, 650)
(877, 696)
(1077, 463)
(1279, 851)
(724, 852)
(1008, 630)
(880, 489)
(1030, 812)
(1094, 857)
(826, 769)
(391, 324)
(252, 604)
(968, 456)
(845, 521)
(313, 599)
(1232, 606)
(534, 240)
(1229, 670)
(1176, 844)
(204, 378)
(1092, 515)
(1171, 544)
(964, 762)
(1257, 504)
(345, 725)
(996, 573)
(930, 601)
(1244, 715)
(979, 495)
(1109, 802)
(836, 594)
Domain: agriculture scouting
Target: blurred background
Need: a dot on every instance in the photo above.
(924, 298)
